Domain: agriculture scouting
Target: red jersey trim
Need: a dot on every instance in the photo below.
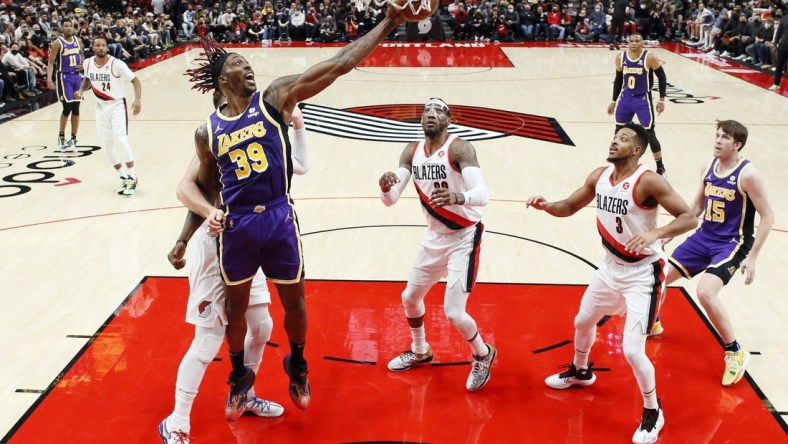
(610, 242)
(446, 217)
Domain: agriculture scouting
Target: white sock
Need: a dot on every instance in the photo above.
(131, 173)
(419, 336)
(650, 399)
(121, 172)
(581, 359)
(480, 349)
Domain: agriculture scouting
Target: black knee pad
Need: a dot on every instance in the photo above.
(66, 108)
(75, 108)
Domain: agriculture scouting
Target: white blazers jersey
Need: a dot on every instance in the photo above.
(619, 217)
(107, 80)
(437, 171)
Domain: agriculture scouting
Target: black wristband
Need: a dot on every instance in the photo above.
(185, 242)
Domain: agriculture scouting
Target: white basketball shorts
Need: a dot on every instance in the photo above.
(452, 255)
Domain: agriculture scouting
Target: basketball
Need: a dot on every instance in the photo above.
(424, 10)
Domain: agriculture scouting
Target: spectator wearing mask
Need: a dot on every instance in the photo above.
(21, 68)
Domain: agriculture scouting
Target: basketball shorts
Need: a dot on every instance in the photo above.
(112, 119)
(452, 255)
(67, 85)
(703, 252)
(632, 289)
(206, 288)
(629, 106)
(266, 236)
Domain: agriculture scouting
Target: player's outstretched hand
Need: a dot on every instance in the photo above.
(216, 223)
(387, 180)
(537, 202)
(175, 256)
(392, 13)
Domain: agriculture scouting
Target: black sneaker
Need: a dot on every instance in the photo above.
(652, 422)
(300, 392)
(239, 387)
(573, 376)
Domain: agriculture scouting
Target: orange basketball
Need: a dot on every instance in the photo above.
(417, 5)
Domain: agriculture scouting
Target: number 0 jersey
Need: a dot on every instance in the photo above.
(637, 74)
(107, 80)
(728, 213)
(253, 153)
(438, 171)
(619, 216)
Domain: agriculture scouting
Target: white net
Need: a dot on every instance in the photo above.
(416, 6)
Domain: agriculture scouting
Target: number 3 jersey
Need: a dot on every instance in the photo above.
(107, 80)
(619, 216)
(253, 153)
(728, 213)
(438, 171)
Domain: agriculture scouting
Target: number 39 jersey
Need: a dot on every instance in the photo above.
(107, 80)
(619, 216)
(253, 153)
(438, 171)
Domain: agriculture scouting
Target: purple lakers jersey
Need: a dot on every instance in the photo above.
(637, 80)
(728, 213)
(70, 56)
(253, 153)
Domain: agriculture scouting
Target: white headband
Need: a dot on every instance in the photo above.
(438, 102)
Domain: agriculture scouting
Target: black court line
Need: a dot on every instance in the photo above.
(755, 353)
(217, 359)
(590, 264)
(28, 391)
(272, 344)
(601, 369)
(769, 406)
(77, 356)
(79, 336)
(349, 361)
(447, 364)
(551, 347)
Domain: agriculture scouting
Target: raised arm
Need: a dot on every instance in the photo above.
(572, 204)
(285, 92)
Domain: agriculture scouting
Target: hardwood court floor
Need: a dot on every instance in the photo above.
(77, 250)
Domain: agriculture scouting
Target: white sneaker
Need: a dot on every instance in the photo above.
(122, 189)
(573, 376)
(261, 407)
(408, 359)
(480, 373)
(71, 145)
(172, 436)
(648, 430)
(774, 88)
(714, 53)
(725, 54)
(62, 144)
(131, 187)
(740, 57)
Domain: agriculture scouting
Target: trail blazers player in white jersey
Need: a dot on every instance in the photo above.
(450, 187)
(632, 276)
(105, 75)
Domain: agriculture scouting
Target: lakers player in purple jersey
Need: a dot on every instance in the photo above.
(635, 69)
(64, 73)
(249, 156)
(730, 193)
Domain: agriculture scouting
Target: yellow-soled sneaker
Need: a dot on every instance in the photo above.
(735, 365)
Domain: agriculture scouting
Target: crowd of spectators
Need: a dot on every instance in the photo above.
(138, 28)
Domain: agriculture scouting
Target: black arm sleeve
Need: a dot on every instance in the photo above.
(617, 84)
(663, 82)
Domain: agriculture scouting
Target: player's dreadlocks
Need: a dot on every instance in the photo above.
(206, 76)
